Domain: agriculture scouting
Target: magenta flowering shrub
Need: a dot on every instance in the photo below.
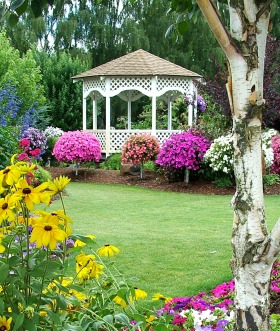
(140, 148)
(78, 147)
(275, 145)
(185, 149)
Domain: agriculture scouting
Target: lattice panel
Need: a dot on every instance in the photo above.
(164, 135)
(123, 83)
(101, 135)
(173, 83)
(94, 83)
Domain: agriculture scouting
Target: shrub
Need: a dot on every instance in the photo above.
(52, 134)
(271, 179)
(33, 143)
(219, 156)
(183, 151)
(139, 149)
(113, 162)
(275, 145)
(77, 147)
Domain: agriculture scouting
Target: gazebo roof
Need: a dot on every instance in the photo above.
(138, 63)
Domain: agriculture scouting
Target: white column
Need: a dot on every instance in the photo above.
(108, 125)
(129, 111)
(84, 113)
(94, 113)
(190, 107)
(154, 105)
(169, 103)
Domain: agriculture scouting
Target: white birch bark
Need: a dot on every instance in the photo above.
(254, 251)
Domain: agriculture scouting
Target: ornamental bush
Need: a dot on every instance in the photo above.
(33, 143)
(183, 151)
(77, 147)
(52, 134)
(139, 149)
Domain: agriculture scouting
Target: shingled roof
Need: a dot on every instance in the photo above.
(138, 63)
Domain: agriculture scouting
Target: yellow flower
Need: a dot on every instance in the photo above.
(80, 243)
(26, 168)
(139, 294)
(47, 234)
(118, 300)
(107, 250)
(5, 324)
(86, 267)
(2, 248)
(58, 184)
(56, 217)
(10, 175)
(6, 207)
(32, 195)
(159, 296)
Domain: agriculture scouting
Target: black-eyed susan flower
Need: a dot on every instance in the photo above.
(57, 217)
(139, 294)
(7, 204)
(58, 184)
(160, 297)
(80, 243)
(5, 324)
(87, 267)
(10, 175)
(2, 248)
(32, 195)
(47, 234)
(107, 250)
(118, 300)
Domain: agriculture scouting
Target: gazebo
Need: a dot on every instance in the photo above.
(130, 77)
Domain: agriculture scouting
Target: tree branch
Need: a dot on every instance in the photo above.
(213, 18)
(263, 9)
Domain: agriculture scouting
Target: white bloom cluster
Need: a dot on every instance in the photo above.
(52, 132)
(220, 154)
(209, 317)
(266, 146)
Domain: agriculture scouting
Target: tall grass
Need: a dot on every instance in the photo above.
(174, 243)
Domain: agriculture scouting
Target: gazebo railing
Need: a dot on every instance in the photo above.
(112, 141)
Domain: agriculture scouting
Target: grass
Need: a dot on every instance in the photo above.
(174, 243)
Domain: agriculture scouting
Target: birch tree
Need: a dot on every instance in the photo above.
(254, 249)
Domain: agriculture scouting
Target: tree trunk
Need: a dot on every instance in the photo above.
(254, 251)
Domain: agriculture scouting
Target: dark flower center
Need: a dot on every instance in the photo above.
(48, 228)
(4, 206)
(5, 172)
(26, 190)
(3, 328)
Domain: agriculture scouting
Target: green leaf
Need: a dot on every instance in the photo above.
(29, 325)
(15, 4)
(2, 10)
(109, 319)
(140, 319)
(183, 27)
(22, 9)
(13, 19)
(18, 321)
(122, 319)
(36, 8)
(2, 306)
(4, 272)
(54, 317)
(161, 327)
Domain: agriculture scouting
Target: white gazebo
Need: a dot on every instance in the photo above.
(130, 77)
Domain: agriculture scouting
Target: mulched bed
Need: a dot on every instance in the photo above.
(150, 180)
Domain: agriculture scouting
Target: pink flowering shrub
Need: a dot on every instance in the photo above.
(183, 150)
(78, 147)
(139, 149)
(275, 145)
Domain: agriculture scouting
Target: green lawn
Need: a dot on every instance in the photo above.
(174, 243)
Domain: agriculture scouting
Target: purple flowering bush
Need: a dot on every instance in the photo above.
(275, 145)
(77, 147)
(33, 143)
(183, 151)
(200, 102)
(213, 311)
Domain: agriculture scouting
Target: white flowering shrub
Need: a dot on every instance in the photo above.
(219, 156)
(52, 134)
